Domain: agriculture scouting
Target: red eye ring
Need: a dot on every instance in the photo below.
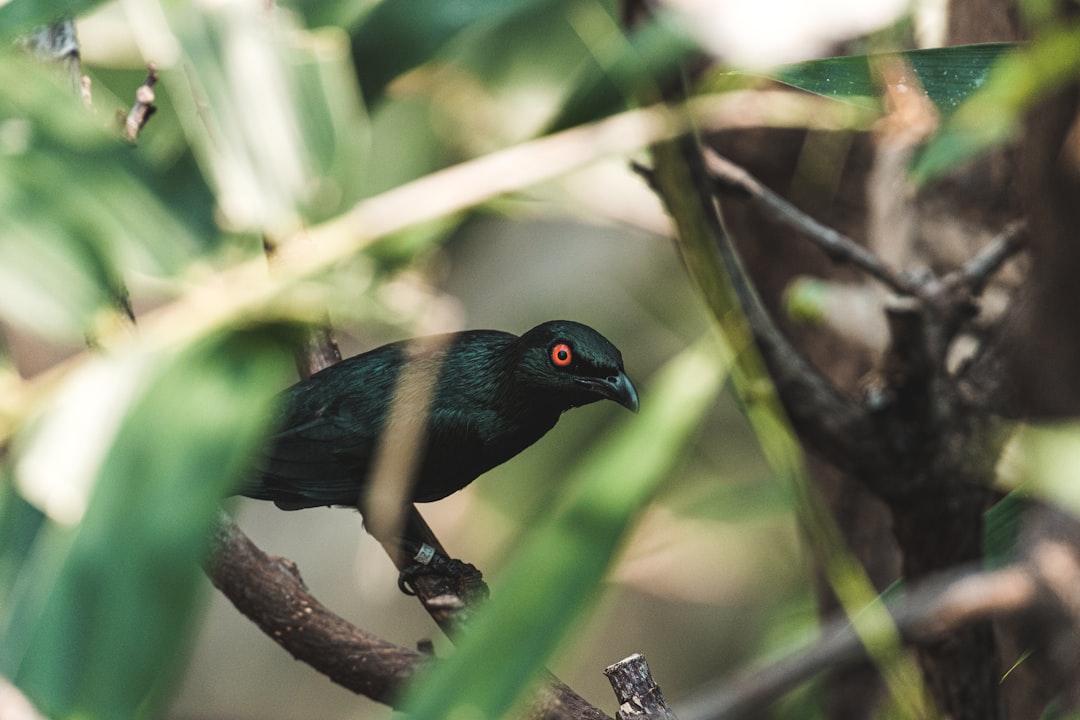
(561, 355)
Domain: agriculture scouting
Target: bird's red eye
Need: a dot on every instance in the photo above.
(561, 355)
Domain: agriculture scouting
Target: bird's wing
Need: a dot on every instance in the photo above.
(319, 460)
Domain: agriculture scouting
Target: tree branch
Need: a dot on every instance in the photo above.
(638, 694)
(733, 179)
(977, 271)
(830, 422)
(143, 109)
(935, 609)
(269, 591)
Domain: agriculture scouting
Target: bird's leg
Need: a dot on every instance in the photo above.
(426, 560)
(420, 553)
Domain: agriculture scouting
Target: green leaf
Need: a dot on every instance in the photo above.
(1001, 528)
(399, 36)
(554, 574)
(334, 128)
(18, 16)
(948, 76)
(339, 13)
(993, 115)
(76, 208)
(20, 523)
(106, 599)
(1049, 461)
(272, 113)
(622, 67)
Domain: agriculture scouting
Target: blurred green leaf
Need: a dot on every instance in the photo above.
(163, 146)
(622, 66)
(804, 301)
(104, 610)
(399, 36)
(334, 127)
(404, 147)
(18, 16)
(732, 500)
(534, 48)
(554, 574)
(993, 115)
(75, 208)
(20, 523)
(1001, 528)
(339, 13)
(272, 113)
(1050, 462)
(948, 76)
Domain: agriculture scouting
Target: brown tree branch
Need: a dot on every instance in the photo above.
(319, 352)
(935, 609)
(977, 271)
(269, 591)
(827, 420)
(730, 178)
(949, 297)
(638, 694)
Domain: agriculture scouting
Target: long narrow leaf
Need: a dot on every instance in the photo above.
(398, 36)
(992, 116)
(272, 113)
(641, 59)
(948, 75)
(105, 607)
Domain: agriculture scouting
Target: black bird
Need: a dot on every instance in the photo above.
(473, 399)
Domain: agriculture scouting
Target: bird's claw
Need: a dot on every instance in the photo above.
(427, 561)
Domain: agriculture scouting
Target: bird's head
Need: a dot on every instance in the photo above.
(572, 365)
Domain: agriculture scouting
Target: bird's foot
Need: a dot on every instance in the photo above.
(427, 561)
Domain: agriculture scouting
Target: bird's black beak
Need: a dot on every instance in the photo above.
(620, 389)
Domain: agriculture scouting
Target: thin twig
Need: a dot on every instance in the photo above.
(977, 271)
(144, 107)
(730, 177)
(826, 419)
(934, 610)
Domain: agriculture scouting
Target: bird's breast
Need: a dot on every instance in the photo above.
(461, 449)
